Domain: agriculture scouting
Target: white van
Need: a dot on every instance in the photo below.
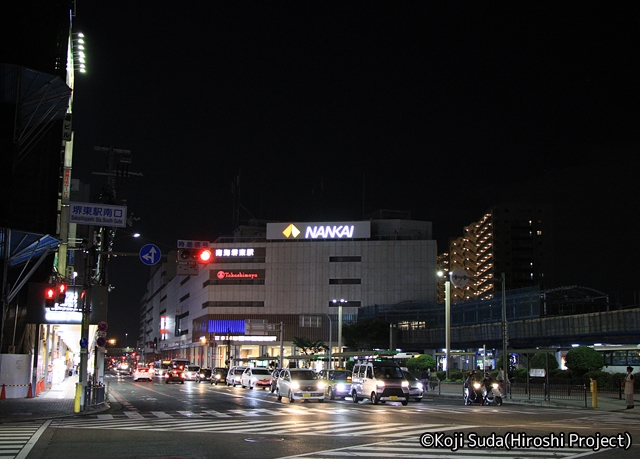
(379, 381)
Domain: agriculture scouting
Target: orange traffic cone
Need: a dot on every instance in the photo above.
(3, 395)
(29, 394)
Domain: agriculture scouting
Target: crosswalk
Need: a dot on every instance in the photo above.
(16, 440)
(307, 410)
(411, 448)
(263, 427)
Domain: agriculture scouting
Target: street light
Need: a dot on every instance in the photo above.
(341, 302)
(447, 320)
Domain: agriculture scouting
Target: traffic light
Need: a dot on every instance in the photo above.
(62, 293)
(50, 296)
(203, 255)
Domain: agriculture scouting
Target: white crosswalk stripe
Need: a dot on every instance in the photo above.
(338, 409)
(263, 427)
(16, 440)
(412, 448)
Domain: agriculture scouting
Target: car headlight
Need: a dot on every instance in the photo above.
(380, 383)
(420, 386)
(321, 385)
(405, 383)
(295, 385)
(340, 387)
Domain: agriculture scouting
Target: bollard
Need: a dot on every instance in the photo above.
(3, 394)
(594, 392)
(78, 398)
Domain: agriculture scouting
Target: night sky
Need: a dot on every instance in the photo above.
(329, 111)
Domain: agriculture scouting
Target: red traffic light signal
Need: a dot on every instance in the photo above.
(62, 293)
(203, 256)
(50, 295)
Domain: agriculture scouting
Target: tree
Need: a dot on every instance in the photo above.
(539, 360)
(421, 363)
(309, 347)
(366, 334)
(582, 359)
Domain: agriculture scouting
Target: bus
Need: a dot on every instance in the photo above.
(618, 358)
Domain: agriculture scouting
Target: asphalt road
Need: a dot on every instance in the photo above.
(158, 420)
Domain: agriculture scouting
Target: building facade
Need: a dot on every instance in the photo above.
(298, 280)
(510, 238)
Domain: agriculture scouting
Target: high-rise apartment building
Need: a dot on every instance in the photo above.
(510, 238)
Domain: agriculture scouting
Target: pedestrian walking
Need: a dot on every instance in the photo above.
(424, 376)
(628, 388)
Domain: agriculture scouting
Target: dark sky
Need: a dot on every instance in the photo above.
(332, 110)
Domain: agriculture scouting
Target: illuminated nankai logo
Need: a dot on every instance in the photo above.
(291, 231)
(329, 232)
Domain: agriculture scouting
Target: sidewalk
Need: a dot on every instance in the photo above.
(55, 402)
(605, 402)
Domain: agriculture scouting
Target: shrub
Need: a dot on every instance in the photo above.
(540, 361)
(583, 359)
(417, 365)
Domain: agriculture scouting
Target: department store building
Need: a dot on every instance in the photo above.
(296, 279)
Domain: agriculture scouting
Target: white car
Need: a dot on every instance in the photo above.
(234, 376)
(256, 377)
(142, 373)
(300, 384)
(191, 372)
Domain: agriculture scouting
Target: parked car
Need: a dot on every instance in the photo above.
(300, 384)
(174, 374)
(256, 377)
(203, 375)
(234, 375)
(416, 388)
(338, 383)
(191, 372)
(219, 375)
(379, 381)
(142, 372)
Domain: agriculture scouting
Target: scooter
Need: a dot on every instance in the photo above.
(473, 394)
(492, 396)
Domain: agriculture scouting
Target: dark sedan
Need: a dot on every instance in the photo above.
(203, 375)
(219, 375)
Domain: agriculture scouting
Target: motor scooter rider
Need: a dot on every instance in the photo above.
(468, 386)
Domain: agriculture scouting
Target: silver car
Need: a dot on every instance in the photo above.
(300, 384)
(234, 377)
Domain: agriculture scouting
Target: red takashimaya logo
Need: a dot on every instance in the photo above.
(236, 275)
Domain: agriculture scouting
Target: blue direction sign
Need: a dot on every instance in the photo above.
(83, 343)
(150, 254)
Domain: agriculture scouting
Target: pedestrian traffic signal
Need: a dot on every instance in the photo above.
(203, 256)
(50, 296)
(62, 293)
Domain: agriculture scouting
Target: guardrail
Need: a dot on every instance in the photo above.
(521, 391)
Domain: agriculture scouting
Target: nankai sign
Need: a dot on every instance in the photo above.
(319, 230)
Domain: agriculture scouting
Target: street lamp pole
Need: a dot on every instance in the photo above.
(340, 303)
(505, 334)
(447, 318)
(330, 340)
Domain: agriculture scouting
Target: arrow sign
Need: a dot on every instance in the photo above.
(150, 254)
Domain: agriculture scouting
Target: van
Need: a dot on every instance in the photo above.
(379, 381)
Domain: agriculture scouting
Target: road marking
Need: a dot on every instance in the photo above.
(412, 448)
(264, 427)
(17, 440)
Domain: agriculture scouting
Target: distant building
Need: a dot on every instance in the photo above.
(510, 238)
(301, 275)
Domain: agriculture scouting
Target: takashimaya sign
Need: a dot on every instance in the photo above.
(319, 230)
